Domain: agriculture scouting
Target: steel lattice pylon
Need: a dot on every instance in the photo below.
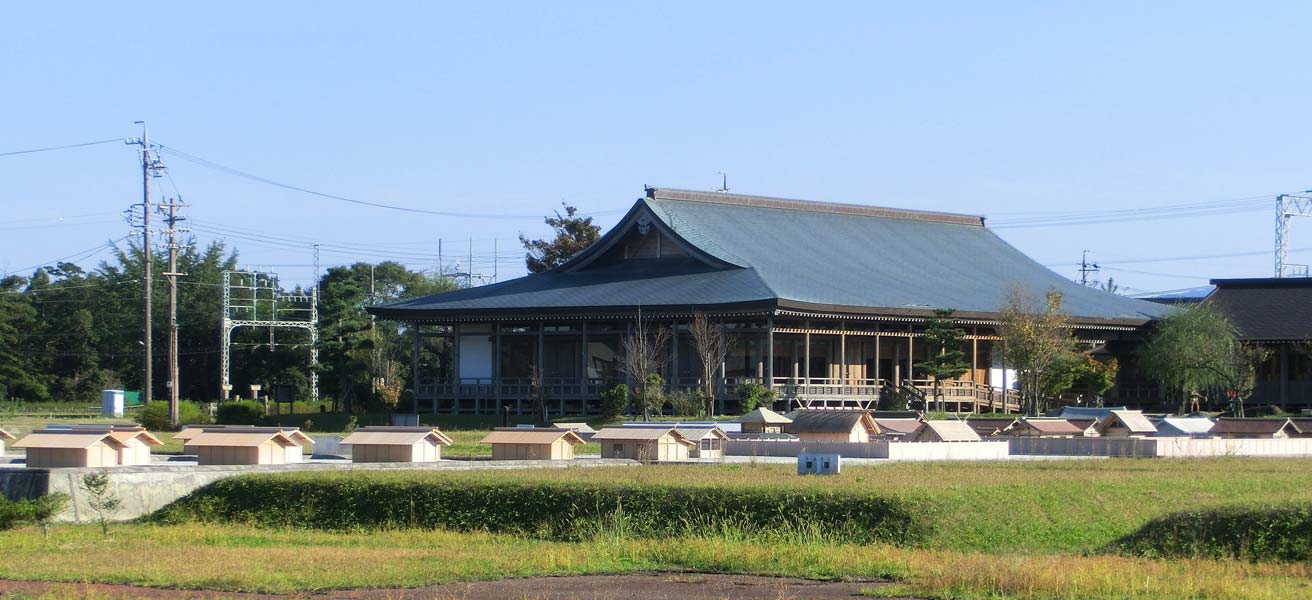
(258, 302)
(1289, 205)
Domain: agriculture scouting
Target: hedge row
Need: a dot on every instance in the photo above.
(544, 509)
(1279, 533)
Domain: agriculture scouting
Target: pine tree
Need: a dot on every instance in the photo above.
(943, 333)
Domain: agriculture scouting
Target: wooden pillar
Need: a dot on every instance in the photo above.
(974, 366)
(1284, 376)
(842, 353)
(806, 356)
(974, 354)
(496, 366)
(877, 373)
(769, 352)
(584, 359)
(455, 369)
(674, 356)
(414, 373)
(541, 361)
(911, 352)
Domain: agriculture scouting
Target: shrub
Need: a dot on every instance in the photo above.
(753, 395)
(156, 415)
(245, 412)
(688, 403)
(551, 510)
(1282, 533)
(614, 401)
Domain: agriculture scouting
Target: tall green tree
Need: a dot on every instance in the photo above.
(1198, 350)
(572, 234)
(947, 359)
(1038, 343)
(21, 378)
(364, 361)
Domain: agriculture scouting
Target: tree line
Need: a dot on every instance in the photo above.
(66, 332)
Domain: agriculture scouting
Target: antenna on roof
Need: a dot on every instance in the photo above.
(724, 182)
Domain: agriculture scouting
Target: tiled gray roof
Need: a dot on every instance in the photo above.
(767, 252)
(1266, 309)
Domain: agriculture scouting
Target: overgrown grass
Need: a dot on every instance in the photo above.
(242, 558)
(1029, 507)
(1247, 533)
(549, 510)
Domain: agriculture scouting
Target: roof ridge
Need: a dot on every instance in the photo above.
(812, 206)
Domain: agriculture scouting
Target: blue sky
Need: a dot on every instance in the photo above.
(1013, 111)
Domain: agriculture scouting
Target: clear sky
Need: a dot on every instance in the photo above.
(1014, 111)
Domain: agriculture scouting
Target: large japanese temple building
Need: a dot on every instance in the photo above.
(825, 303)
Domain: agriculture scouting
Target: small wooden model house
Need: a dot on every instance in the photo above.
(249, 446)
(833, 426)
(88, 446)
(5, 436)
(897, 428)
(1303, 425)
(1255, 428)
(396, 444)
(521, 443)
(944, 431)
(708, 441)
(1125, 423)
(1193, 427)
(763, 420)
(989, 427)
(647, 444)
(584, 430)
(1088, 427)
(1044, 428)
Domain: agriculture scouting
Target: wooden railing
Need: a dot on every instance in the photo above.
(964, 396)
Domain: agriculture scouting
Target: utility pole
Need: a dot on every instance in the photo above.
(172, 218)
(151, 166)
(1086, 268)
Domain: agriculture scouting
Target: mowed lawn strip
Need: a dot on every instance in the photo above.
(239, 558)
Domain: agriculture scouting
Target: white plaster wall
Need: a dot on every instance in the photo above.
(475, 357)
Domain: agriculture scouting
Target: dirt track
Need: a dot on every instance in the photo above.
(647, 586)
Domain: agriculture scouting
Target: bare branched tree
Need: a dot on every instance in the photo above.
(712, 346)
(646, 352)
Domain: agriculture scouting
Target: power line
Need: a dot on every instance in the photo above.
(1174, 211)
(82, 255)
(258, 179)
(52, 148)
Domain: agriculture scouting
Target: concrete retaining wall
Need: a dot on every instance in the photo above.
(147, 489)
(1080, 446)
(877, 449)
(1190, 448)
(1160, 447)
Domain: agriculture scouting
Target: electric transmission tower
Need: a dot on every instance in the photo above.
(151, 167)
(1287, 206)
(254, 299)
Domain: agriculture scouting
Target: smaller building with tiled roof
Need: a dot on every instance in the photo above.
(947, 430)
(647, 444)
(832, 426)
(1255, 428)
(1044, 428)
(1125, 423)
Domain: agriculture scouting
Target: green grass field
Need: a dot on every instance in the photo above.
(1015, 530)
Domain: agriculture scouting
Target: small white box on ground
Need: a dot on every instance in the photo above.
(111, 403)
(811, 463)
